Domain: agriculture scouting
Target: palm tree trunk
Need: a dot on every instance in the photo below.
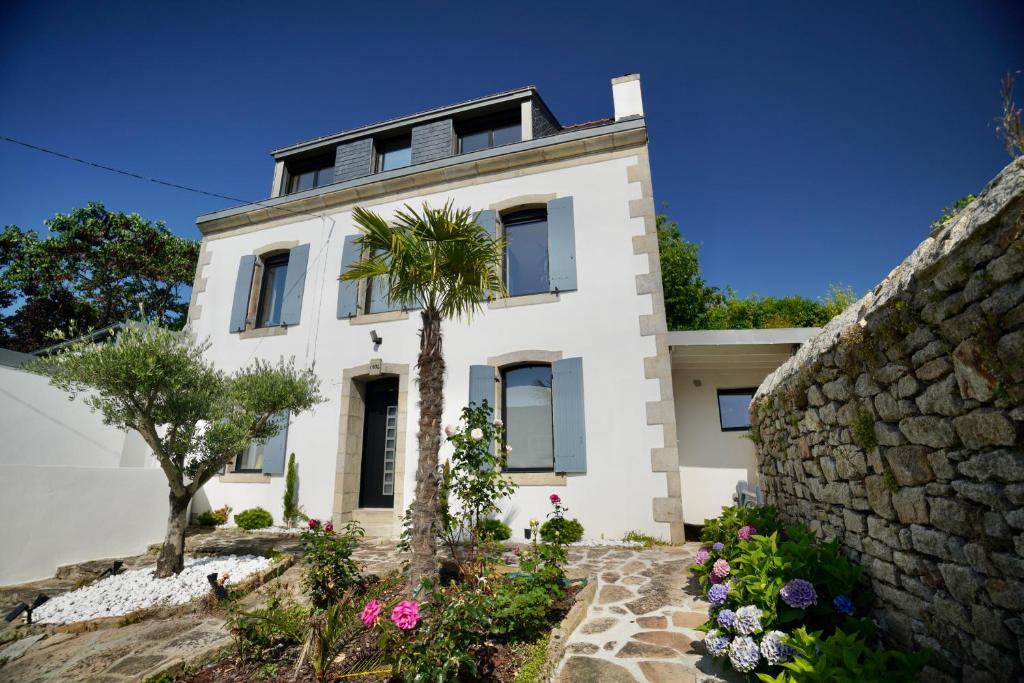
(431, 386)
(172, 553)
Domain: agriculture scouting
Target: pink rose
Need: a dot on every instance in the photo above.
(313, 523)
(329, 527)
(555, 500)
(371, 613)
(406, 614)
(746, 532)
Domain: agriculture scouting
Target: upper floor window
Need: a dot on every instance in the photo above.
(526, 252)
(309, 174)
(526, 411)
(394, 153)
(491, 131)
(734, 409)
(275, 270)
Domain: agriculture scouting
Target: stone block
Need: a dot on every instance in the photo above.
(1007, 266)
(1011, 351)
(887, 407)
(985, 427)
(879, 497)
(952, 612)
(962, 583)
(884, 571)
(1002, 465)
(839, 389)
(906, 387)
(1006, 593)
(853, 521)
(954, 516)
(828, 468)
(989, 625)
(930, 541)
(941, 398)
(909, 464)
(888, 434)
(851, 464)
(815, 397)
(877, 549)
(930, 351)
(865, 385)
(941, 466)
(973, 378)
(928, 430)
(910, 505)
(986, 493)
(934, 369)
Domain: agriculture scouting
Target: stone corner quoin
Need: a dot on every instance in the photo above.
(899, 431)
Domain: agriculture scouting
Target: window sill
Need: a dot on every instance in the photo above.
(244, 478)
(260, 332)
(535, 478)
(374, 318)
(524, 300)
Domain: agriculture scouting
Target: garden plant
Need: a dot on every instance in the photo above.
(786, 608)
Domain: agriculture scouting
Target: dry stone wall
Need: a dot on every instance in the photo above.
(898, 430)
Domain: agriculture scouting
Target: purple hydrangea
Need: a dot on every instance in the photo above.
(720, 568)
(702, 555)
(774, 648)
(717, 594)
(799, 593)
(726, 618)
(844, 605)
(748, 620)
(714, 578)
(716, 643)
(718, 546)
(743, 654)
(746, 532)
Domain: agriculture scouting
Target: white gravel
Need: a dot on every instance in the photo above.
(278, 531)
(137, 589)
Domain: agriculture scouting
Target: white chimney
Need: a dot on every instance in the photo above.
(627, 96)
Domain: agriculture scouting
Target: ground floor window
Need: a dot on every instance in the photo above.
(734, 409)
(251, 459)
(526, 411)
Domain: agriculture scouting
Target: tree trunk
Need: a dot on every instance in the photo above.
(431, 385)
(172, 553)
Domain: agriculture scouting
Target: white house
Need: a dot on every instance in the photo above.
(576, 359)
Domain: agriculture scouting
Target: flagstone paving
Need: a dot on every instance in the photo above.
(639, 628)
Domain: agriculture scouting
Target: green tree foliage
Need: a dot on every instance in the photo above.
(692, 304)
(94, 267)
(194, 417)
(292, 509)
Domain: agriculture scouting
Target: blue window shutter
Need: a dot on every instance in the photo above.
(348, 290)
(488, 220)
(274, 449)
(294, 285)
(481, 388)
(561, 245)
(569, 425)
(243, 290)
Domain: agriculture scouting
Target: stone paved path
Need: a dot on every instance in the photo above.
(641, 624)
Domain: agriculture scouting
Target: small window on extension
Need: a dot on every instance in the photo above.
(305, 175)
(490, 131)
(734, 409)
(394, 153)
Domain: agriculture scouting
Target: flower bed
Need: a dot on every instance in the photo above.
(786, 608)
(138, 589)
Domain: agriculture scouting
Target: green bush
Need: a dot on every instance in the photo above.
(562, 529)
(845, 657)
(213, 517)
(520, 608)
(493, 530)
(254, 518)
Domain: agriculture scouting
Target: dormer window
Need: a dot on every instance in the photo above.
(305, 175)
(394, 153)
(490, 131)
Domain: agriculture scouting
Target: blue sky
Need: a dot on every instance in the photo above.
(803, 143)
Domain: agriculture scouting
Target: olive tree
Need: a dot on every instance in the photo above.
(194, 417)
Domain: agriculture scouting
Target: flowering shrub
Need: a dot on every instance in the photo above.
(330, 569)
(764, 584)
(558, 528)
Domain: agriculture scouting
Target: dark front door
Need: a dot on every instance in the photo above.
(380, 436)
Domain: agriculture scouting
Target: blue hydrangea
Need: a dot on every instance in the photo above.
(844, 605)
(774, 648)
(743, 653)
(717, 594)
(716, 643)
(748, 620)
(718, 546)
(726, 618)
(799, 593)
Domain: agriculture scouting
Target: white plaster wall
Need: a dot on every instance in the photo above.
(40, 426)
(54, 516)
(598, 322)
(712, 462)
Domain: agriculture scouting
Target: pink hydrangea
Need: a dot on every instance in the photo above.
(371, 613)
(720, 568)
(702, 555)
(406, 615)
(746, 532)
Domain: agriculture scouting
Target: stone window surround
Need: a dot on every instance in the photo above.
(512, 359)
(262, 252)
(350, 441)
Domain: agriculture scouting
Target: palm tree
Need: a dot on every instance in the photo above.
(442, 260)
